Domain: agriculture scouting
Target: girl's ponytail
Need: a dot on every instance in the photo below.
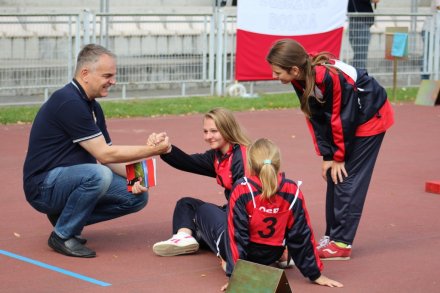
(264, 161)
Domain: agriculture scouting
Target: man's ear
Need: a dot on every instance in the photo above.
(84, 74)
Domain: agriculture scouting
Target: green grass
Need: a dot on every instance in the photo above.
(179, 106)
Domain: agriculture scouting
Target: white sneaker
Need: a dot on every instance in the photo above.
(324, 241)
(180, 243)
(285, 262)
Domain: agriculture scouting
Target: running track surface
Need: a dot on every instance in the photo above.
(396, 249)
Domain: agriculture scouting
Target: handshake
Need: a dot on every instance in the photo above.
(159, 141)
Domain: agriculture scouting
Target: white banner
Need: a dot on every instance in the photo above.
(291, 17)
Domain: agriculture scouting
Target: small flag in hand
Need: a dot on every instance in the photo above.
(143, 171)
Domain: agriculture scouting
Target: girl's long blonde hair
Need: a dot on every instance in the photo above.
(264, 161)
(228, 126)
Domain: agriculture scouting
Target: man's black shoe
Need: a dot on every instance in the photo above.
(69, 247)
(80, 239)
(53, 220)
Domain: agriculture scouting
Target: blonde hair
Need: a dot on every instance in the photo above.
(89, 56)
(287, 53)
(228, 126)
(264, 160)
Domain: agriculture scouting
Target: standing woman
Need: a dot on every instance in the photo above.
(225, 161)
(348, 113)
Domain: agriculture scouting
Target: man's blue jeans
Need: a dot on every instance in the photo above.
(85, 194)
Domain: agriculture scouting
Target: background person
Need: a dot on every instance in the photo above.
(359, 30)
(72, 172)
(348, 113)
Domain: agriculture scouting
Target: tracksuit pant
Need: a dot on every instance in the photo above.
(207, 221)
(345, 201)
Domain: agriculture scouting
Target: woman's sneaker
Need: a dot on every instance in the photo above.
(180, 243)
(333, 252)
(324, 241)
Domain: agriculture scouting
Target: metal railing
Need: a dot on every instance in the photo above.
(175, 54)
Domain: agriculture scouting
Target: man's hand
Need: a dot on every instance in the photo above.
(137, 188)
(161, 141)
(156, 138)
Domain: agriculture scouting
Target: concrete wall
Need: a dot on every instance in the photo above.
(115, 6)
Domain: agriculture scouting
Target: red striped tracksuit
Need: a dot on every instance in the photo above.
(258, 229)
(348, 126)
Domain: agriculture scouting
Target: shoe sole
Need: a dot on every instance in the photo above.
(336, 258)
(173, 250)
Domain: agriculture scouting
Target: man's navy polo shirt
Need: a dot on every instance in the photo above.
(66, 119)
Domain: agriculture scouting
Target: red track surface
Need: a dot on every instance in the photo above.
(396, 249)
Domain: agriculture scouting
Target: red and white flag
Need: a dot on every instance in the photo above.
(316, 24)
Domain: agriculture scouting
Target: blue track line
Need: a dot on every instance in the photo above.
(56, 269)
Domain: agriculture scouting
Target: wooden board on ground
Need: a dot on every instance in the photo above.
(253, 277)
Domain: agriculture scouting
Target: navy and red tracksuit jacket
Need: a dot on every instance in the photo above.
(353, 104)
(258, 229)
(226, 168)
